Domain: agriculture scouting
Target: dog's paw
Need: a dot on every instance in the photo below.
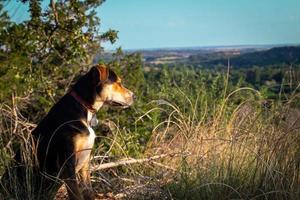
(89, 194)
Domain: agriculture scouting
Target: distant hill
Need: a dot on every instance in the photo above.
(277, 55)
(240, 56)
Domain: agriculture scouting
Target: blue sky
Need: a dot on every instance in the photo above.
(188, 23)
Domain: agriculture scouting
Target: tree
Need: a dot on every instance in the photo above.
(41, 55)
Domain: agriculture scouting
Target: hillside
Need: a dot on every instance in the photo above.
(277, 55)
(195, 55)
(240, 56)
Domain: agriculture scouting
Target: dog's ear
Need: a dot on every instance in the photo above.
(99, 74)
(104, 72)
(113, 76)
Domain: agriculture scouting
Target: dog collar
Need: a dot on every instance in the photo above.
(85, 104)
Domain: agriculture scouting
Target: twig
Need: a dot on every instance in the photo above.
(54, 12)
(164, 166)
(14, 113)
(133, 161)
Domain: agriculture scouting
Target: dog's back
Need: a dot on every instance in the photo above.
(55, 132)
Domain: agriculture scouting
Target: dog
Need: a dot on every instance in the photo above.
(64, 138)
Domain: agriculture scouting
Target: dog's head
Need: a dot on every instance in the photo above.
(109, 89)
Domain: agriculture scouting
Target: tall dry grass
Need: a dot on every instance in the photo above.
(224, 150)
(249, 150)
(229, 150)
(17, 142)
(15, 136)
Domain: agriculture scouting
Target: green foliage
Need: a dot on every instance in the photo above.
(41, 56)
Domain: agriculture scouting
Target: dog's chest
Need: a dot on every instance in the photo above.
(84, 149)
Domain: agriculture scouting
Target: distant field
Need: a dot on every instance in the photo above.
(240, 56)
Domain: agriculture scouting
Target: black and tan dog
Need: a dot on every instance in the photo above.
(64, 138)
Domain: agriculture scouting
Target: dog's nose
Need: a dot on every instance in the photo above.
(134, 96)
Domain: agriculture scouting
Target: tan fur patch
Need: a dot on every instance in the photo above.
(83, 147)
(117, 87)
(103, 72)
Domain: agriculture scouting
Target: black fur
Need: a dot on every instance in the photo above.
(54, 143)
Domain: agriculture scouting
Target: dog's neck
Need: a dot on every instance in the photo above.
(97, 104)
(91, 108)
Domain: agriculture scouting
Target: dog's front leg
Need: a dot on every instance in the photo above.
(70, 180)
(84, 175)
(73, 188)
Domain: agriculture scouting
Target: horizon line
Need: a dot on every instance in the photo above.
(209, 46)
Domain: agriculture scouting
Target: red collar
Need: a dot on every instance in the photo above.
(85, 104)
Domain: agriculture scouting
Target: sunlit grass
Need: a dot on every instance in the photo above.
(242, 151)
(218, 150)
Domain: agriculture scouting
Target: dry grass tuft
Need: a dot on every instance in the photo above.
(248, 150)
